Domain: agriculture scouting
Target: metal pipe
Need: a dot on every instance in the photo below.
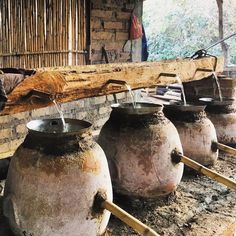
(178, 157)
(219, 41)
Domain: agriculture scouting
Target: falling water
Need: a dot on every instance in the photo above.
(61, 113)
(131, 95)
(182, 90)
(218, 86)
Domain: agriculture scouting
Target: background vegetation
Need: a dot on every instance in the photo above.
(178, 28)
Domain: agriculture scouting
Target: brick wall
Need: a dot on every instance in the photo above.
(110, 22)
(207, 88)
(230, 71)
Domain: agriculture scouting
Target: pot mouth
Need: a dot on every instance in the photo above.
(141, 108)
(216, 101)
(55, 127)
(189, 107)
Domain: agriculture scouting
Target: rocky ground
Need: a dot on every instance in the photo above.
(199, 207)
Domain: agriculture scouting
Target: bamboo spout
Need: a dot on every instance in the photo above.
(178, 157)
(223, 147)
(101, 202)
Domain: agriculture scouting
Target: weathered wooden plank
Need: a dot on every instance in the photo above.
(75, 82)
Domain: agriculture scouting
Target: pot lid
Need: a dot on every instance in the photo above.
(216, 102)
(141, 108)
(189, 107)
(55, 127)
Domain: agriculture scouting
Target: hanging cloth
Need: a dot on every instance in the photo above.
(135, 28)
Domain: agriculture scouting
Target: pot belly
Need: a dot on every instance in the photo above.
(225, 125)
(54, 195)
(140, 159)
(196, 139)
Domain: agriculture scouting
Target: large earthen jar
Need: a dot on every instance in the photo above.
(138, 144)
(224, 120)
(52, 180)
(196, 131)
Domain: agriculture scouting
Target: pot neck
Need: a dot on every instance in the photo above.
(59, 145)
(185, 116)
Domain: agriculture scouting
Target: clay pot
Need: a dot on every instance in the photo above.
(138, 144)
(224, 120)
(52, 180)
(197, 133)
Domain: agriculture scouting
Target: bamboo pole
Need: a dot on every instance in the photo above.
(38, 23)
(50, 32)
(68, 15)
(101, 203)
(178, 157)
(53, 31)
(57, 33)
(225, 148)
(60, 33)
(23, 6)
(47, 33)
(84, 34)
(21, 43)
(79, 3)
(73, 8)
(1, 35)
(63, 30)
(7, 31)
(3, 29)
(12, 28)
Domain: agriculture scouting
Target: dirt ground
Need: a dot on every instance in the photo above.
(199, 207)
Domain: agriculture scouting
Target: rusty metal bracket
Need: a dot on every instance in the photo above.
(38, 95)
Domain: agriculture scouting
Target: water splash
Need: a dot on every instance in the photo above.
(182, 89)
(132, 95)
(218, 86)
(60, 113)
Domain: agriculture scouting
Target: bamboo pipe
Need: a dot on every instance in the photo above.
(223, 147)
(100, 203)
(178, 157)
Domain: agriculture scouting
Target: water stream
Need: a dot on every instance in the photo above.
(132, 95)
(182, 90)
(218, 86)
(60, 113)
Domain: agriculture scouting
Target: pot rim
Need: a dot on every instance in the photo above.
(141, 108)
(186, 108)
(54, 127)
(226, 101)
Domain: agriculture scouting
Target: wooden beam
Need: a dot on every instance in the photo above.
(71, 83)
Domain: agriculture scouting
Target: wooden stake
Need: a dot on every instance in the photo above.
(100, 203)
(124, 216)
(178, 157)
(225, 148)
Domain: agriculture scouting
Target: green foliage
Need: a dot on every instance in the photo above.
(178, 28)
